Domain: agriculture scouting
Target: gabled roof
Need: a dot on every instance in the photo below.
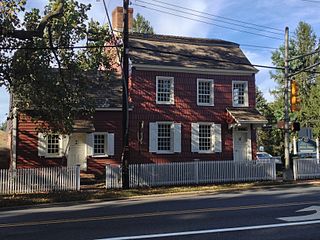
(187, 52)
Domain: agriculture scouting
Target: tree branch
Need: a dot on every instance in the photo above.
(25, 34)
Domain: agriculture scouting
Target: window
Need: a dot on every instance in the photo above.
(53, 144)
(240, 94)
(164, 90)
(205, 92)
(99, 144)
(206, 137)
(164, 137)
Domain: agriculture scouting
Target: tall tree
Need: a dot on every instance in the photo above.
(269, 138)
(303, 41)
(40, 65)
(141, 25)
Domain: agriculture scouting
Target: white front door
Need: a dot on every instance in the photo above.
(240, 145)
(77, 150)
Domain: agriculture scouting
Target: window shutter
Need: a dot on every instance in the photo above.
(246, 95)
(212, 94)
(218, 138)
(90, 144)
(42, 145)
(110, 144)
(235, 96)
(194, 137)
(65, 145)
(172, 91)
(153, 137)
(177, 138)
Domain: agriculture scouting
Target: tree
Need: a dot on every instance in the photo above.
(41, 67)
(141, 25)
(270, 138)
(303, 41)
(3, 126)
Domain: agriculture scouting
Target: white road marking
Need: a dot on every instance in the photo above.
(309, 217)
(221, 230)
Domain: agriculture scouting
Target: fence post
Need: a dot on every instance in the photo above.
(295, 172)
(196, 171)
(78, 177)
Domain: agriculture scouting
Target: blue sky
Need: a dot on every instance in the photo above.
(271, 13)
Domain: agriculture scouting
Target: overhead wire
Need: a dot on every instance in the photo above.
(209, 18)
(60, 47)
(218, 16)
(209, 23)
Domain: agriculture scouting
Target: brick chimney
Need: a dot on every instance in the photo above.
(117, 19)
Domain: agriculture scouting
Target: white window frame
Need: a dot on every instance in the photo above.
(211, 81)
(43, 145)
(171, 100)
(59, 153)
(216, 138)
(104, 154)
(175, 137)
(246, 95)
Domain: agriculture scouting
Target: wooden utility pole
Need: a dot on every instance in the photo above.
(287, 174)
(125, 103)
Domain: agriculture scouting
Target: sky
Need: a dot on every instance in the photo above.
(273, 15)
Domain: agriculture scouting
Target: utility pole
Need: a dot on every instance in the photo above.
(125, 103)
(287, 174)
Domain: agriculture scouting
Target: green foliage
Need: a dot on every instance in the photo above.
(3, 126)
(271, 139)
(303, 41)
(47, 82)
(141, 25)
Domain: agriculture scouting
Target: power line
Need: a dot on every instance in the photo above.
(56, 48)
(207, 58)
(217, 16)
(210, 18)
(213, 24)
(312, 1)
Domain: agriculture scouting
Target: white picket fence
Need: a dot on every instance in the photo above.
(39, 180)
(197, 172)
(306, 169)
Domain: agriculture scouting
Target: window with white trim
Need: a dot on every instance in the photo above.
(206, 137)
(164, 90)
(99, 144)
(240, 93)
(53, 144)
(205, 92)
(164, 137)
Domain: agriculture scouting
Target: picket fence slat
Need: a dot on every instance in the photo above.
(196, 172)
(39, 180)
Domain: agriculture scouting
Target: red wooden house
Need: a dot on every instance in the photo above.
(190, 98)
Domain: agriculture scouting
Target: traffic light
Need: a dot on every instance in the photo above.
(295, 100)
(295, 127)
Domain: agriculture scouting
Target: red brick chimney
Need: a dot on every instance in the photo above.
(117, 19)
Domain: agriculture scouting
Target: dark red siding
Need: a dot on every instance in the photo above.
(27, 143)
(184, 111)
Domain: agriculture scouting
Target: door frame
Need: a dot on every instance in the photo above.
(249, 141)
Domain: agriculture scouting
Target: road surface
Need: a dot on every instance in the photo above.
(274, 213)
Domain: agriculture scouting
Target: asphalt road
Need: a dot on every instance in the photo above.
(255, 214)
